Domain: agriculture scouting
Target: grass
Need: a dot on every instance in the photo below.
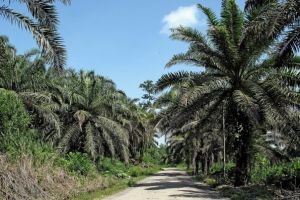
(119, 186)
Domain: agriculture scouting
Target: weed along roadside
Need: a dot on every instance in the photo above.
(122, 177)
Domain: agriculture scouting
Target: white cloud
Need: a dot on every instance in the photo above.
(182, 16)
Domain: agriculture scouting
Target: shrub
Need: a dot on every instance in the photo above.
(14, 121)
(218, 168)
(154, 155)
(76, 162)
(136, 171)
(120, 170)
(13, 115)
(113, 167)
(211, 182)
(110, 165)
(29, 143)
(281, 174)
(131, 183)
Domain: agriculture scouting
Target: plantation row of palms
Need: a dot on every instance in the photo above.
(246, 87)
(76, 111)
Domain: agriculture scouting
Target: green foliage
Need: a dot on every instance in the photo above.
(211, 182)
(119, 169)
(78, 163)
(217, 168)
(154, 155)
(131, 183)
(112, 167)
(282, 173)
(261, 169)
(136, 171)
(28, 143)
(16, 138)
(41, 14)
(149, 88)
(13, 116)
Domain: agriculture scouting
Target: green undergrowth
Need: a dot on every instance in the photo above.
(119, 169)
(268, 180)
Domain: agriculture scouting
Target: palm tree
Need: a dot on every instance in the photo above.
(237, 70)
(42, 24)
(26, 75)
(90, 123)
(280, 19)
(140, 126)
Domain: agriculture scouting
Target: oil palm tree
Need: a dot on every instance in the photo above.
(42, 24)
(26, 75)
(237, 70)
(90, 123)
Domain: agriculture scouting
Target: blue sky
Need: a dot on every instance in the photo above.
(126, 41)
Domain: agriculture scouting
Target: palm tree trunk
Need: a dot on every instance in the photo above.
(188, 162)
(205, 164)
(197, 165)
(194, 162)
(224, 142)
(242, 147)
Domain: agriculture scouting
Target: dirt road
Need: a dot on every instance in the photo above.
(169, 184)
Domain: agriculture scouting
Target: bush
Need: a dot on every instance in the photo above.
(154, 155)
(76, 162)
(217, 168)
(14, 120)
(119, 169)
(28, 143)
(113, 167)
(281, 174)
(131, 183)
(13, 115)
(136, 171)
(211, 182)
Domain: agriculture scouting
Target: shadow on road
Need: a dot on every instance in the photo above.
(183, 183)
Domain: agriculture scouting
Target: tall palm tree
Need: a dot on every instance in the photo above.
(237, 70)
(42, 24)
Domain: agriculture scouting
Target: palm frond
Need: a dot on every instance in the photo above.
(90, 146)
(47, 38)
